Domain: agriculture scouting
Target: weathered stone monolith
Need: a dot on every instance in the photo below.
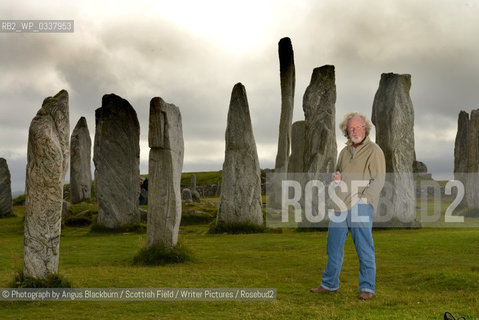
(196, 196)
(6, 209)
(116, 157)
(460, 148)
(165, 138)
(393, 116)
(419, 170)
(466, 157)
(287, 81)
(472, 181)
(296, 159)
(48, 156)
(80, 162)
(186, 195)
(240, 199)
(319, 108)
(193, 182)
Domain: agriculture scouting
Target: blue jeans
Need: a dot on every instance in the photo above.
(358, 220)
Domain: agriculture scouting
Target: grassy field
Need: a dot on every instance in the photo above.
(420, 274)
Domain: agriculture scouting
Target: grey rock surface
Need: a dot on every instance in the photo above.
(460, 147)
(116, 158)
(196, 196)
(80, 162)
(393, 116)
(186, 195)
(288, 82)
(6, 207)
(319, 100)
(66, 212)
(298, 141)
(240, 199)
(48, 156)
(460, 152)
(471, 197)
(419, 167)
(193, 182)
(208, 190)
(165, 138)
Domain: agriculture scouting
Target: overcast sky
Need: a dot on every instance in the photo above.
(191, 53)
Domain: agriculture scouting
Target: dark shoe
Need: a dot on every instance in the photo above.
(365, 296)
(319, 290)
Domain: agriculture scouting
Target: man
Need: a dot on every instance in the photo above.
(360, 161)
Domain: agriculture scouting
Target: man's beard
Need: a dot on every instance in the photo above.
(357, 140)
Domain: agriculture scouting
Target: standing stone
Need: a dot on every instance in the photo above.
(66, 212)
(419, 170)
(472, 181)
(80, 162)
(287, 80)
(47, 164)
(319, 100)
(460, 147)
(194, 193)
(196, 196)
(240, 199)
(117, 157)
(6, 209)
(296, 159)
(193, 182)
(186, 195)
(466, 157)
(393, 116)
(165, 138)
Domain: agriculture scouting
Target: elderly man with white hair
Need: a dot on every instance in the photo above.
(360, 160)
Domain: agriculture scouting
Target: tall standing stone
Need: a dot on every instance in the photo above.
(287, 80)
(466, 157)
(296, 159)
(240, 199)
(472, 181)
(165, 138)
(393, 116)
(461, 152)
(319, 108)
(47, 164)
(193, 182)
(117, 157)
(80, 162)
(194, 193)
(6, 208)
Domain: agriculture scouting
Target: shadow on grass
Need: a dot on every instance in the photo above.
(82, 221)
(134, 228)
(236, 228)
(160, 255)
(50, 281)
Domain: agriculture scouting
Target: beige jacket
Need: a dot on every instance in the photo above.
(366, 165)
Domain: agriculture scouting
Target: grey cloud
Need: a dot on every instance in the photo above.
(142, 57)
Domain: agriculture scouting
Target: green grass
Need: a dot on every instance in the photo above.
(198, 213)
(19, 201)
(421, 274)
(202, 178)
